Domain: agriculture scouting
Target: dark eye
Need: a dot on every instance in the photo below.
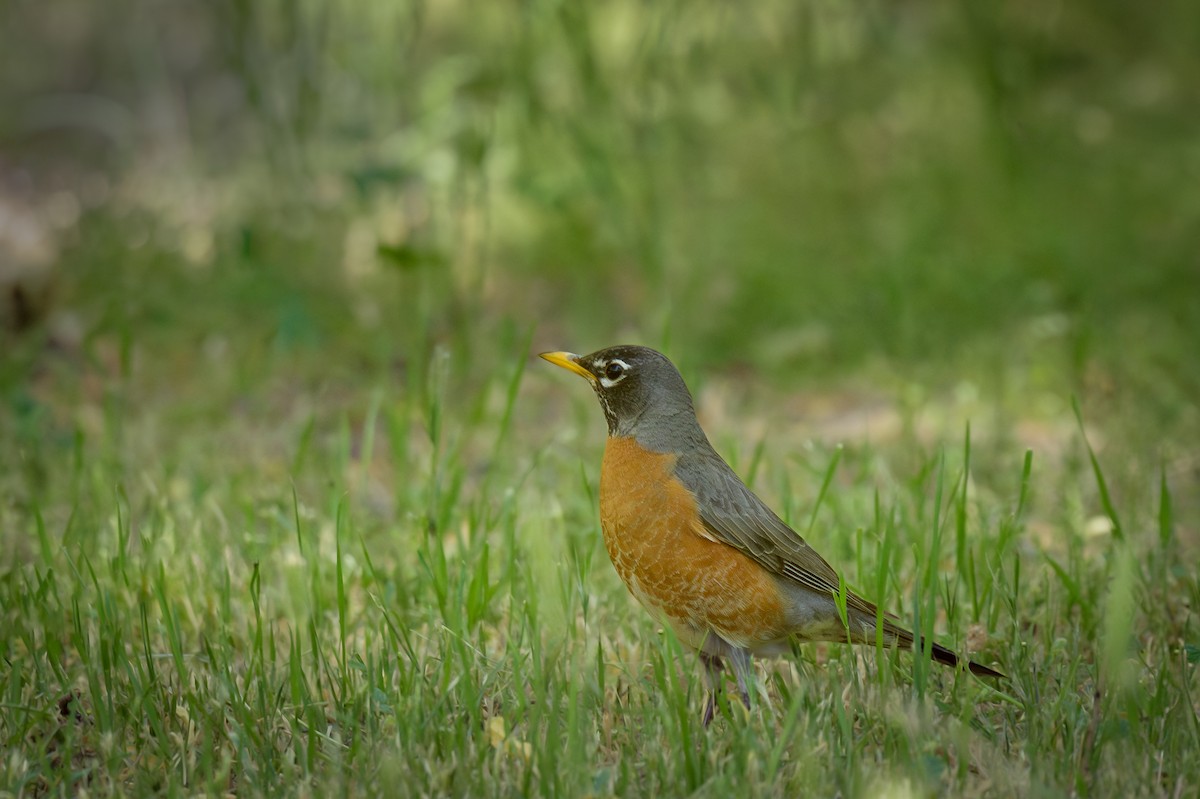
(614, 370)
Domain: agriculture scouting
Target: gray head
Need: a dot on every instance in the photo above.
(641, 392)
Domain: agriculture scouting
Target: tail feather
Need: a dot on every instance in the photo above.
(941, 654)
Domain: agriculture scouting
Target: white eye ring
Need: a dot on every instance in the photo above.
(613, 372)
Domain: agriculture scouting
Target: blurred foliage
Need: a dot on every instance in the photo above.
(805, 187)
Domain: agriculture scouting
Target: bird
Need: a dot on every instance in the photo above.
(696, 547)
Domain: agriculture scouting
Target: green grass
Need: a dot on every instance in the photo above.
(409, 594)
(288, 507)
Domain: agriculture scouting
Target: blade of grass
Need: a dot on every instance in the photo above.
(829, 472)
(1101, 484)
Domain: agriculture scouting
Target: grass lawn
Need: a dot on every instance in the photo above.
(288, 506)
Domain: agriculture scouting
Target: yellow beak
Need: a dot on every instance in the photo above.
(570, 362)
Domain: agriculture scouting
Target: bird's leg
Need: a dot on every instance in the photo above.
(713, 668)
(741, 658)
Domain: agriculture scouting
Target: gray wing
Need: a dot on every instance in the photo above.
(732, 514)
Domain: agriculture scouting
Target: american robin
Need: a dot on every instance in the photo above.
(695, 546)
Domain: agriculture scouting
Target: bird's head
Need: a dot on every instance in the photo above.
(641, 392)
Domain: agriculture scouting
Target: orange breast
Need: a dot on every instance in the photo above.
(651, 530)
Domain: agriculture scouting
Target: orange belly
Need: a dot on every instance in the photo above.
(697, 585)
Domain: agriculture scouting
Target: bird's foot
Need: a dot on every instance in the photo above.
(710, 707)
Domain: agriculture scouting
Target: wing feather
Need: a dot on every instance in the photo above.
(732, 514)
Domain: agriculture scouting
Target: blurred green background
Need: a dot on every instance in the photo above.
(864, 193)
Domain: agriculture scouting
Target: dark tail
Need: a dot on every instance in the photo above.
(943, 655)
(940, 653)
